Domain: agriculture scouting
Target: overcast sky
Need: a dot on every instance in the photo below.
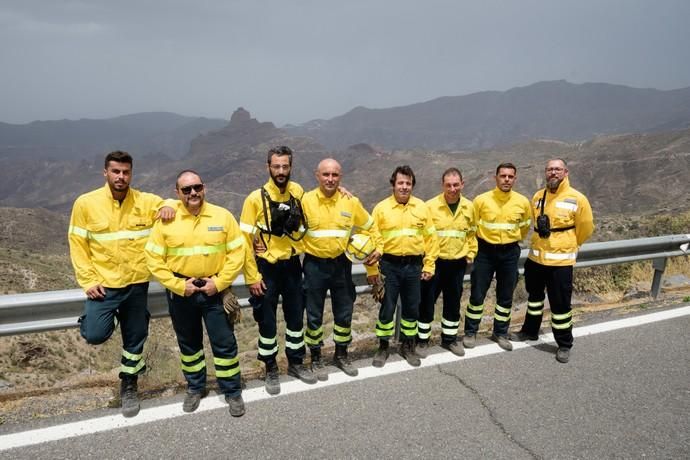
(293, 61)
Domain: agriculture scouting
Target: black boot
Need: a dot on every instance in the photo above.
(342, 361)
(317, 366)
(301, 372)
(272, 378)
(406, 350)
(381, 354)
(128, 396)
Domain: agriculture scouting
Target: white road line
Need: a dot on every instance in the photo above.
(111, 422)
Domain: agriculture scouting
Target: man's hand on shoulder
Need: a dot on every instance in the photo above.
(166, 214)
(344, 192)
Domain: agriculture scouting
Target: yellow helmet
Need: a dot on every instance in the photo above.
(359, 247)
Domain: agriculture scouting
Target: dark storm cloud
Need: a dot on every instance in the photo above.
(289, 62)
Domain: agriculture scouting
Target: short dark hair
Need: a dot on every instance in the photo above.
(185, 171)
(405, 170)
(118, 156)
(559, 159)
(279, 152)
(451, 172)
(506, 166)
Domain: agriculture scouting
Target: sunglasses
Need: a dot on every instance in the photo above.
(188, 189)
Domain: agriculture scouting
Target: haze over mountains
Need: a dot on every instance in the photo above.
(551, 110)
(632, 173)
(144, 133)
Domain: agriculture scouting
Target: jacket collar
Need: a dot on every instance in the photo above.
(106, 190)
(565, 185)
(273, 189)
(322, 197)
(182, 210)
(500, 195)
(410, 202)
(442, 203)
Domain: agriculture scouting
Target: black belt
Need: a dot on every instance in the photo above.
(403, 260)
(180, 275)
(562, 229)
(483, 244)
(279, 261)
(325, 259)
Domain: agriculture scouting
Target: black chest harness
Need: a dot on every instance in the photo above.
(282, 218)
(543, 227)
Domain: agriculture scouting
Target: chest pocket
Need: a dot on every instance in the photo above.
(139, 223)
(417, 220)
(98, 226)
(514, 214)
(313, 222)
(174, 241)
(487, 213)
(215, 235)
(344, 219)
(564, 214)
(139, 219)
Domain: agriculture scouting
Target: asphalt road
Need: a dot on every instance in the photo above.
(624, 394)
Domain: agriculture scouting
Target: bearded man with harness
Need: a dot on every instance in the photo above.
(563, 222)
(272, 219)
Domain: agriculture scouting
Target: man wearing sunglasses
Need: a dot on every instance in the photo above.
(196, 256)
(108, 229)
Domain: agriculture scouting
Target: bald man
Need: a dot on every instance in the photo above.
(331, 219)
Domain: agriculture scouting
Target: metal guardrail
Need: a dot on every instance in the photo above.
(46, 311)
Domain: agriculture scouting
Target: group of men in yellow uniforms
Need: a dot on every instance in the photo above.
(195, 249)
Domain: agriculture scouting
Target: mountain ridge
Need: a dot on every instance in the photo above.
(553, 109)
(144, 133)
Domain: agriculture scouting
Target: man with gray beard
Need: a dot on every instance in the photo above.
(563, 222)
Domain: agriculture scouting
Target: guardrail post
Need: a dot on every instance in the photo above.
(659, 268)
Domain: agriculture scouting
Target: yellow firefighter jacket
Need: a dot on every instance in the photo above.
(455, 232)
(207, 245)
(565, 208)
(107, 238)
(407, 229)
(331, 221)
(253, 221)
(502, 217)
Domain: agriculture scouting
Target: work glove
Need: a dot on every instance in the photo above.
(378, 289)
(231, 305)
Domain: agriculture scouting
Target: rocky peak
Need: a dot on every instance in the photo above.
(240, 116)
(241, 120)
